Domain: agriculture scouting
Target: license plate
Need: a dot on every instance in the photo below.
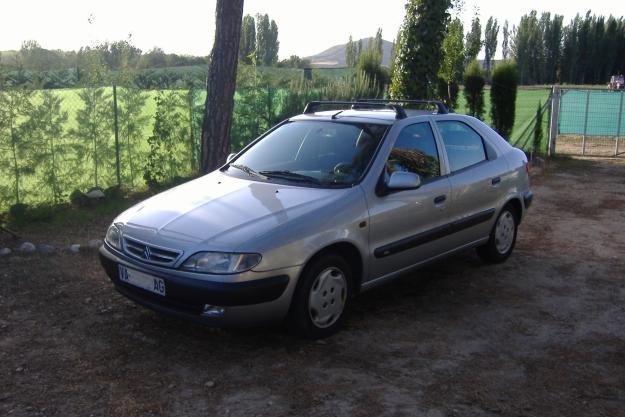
(141, 280)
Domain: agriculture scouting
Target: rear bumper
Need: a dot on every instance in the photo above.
(252, 301)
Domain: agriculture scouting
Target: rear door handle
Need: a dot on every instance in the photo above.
(440, 199)
(495, 180)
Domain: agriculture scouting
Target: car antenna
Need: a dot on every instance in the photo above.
(337, 113)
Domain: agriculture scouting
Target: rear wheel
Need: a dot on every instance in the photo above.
(502, 238)
(321, 297)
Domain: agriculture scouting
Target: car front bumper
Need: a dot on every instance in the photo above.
(251, 298)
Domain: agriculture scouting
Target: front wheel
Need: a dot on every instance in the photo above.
(321, 297)
(502, 238)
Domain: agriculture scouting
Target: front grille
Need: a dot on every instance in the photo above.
(150, 253)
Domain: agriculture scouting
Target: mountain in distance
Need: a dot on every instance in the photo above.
(335, 56)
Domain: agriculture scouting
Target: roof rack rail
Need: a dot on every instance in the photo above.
(400, 113)
(442, 108)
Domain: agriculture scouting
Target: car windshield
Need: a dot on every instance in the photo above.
(320, 153)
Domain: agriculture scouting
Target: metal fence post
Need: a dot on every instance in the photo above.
(553, 126)
(585, 123)
(619, 122)
(116, 127)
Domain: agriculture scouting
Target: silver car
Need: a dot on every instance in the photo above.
(321, 207)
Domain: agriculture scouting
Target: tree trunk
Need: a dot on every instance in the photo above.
(221, 84)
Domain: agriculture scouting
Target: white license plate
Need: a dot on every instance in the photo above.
(141, 280)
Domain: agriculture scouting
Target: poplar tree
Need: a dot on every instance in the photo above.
(419, 53)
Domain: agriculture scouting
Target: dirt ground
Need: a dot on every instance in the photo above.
(541, 335)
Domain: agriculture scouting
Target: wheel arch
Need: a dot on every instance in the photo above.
(352, 255)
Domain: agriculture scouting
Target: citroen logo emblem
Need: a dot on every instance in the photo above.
(146, 253)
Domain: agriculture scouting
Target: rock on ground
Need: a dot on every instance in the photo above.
(75, 248)
(27, 247)
(44, 248)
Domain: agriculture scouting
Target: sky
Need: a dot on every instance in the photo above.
(187, 26)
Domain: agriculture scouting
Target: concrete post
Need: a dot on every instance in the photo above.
(553, 124)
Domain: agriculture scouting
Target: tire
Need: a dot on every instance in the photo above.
(502, 238)
(321, 298)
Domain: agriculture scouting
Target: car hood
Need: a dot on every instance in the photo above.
(219, 212)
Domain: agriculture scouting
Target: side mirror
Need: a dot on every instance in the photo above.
(230, 157)
(400, 180)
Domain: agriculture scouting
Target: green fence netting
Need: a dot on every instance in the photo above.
(592, 113)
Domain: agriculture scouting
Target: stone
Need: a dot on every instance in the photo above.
(27, 247)
(47, 249)
(75, 248)
(210, 384)
(95, 244)
(95, 194)
(5, 251)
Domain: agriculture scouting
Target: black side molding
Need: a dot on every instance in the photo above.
(433, 234)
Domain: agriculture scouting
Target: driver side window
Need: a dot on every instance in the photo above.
(415, 151)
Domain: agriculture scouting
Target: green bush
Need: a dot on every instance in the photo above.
(474, 82)
(503, 93)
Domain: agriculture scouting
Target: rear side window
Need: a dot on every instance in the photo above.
(464, 146)
(415, 151)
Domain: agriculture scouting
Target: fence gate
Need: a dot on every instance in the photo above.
(589, 122)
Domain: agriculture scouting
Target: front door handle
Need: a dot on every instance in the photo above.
(495, 180)
(440, 199)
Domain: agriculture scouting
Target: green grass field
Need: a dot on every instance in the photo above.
(77, 173)
(526, 104)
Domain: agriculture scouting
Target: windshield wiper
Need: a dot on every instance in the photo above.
(291, 176)
(249, 171)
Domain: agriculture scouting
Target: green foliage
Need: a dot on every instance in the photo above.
(527, 49)
(453, 58)
(474, 40)
(247, 46)
(370, 63)
(15, 106)
(132, 121)
(505, 43)
(48, 148)
(351, 53)
(419, 53)
(165, 158)
(474, 89)
(538, 129)
(94, 123)
(503, 94)
(294, 61)
(490, 44)
(267, 44)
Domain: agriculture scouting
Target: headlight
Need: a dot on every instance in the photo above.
(114, 237)
(221, 263)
